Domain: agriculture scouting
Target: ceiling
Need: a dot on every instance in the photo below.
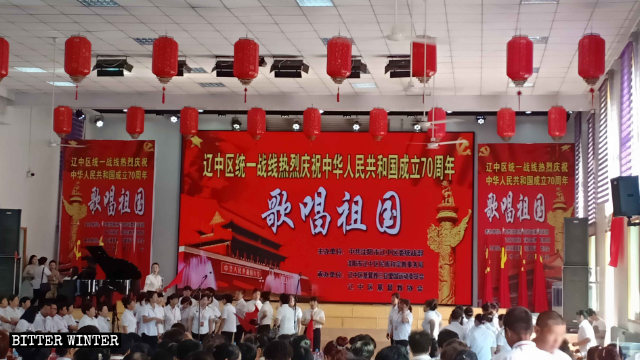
(471, 38)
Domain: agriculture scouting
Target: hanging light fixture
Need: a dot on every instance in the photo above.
(256, 122)
(4, 58)
(557, 122)
(189, 121)
(506, 123)
(135, 121)
(164, 63)
(436, 118)
(246, 62)
(591, 57)
(378, 123)
(62, 120)
(77, 59)
(339, 60)
(311, 123)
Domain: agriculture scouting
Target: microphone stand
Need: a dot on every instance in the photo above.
(199, 307)
(295, 306)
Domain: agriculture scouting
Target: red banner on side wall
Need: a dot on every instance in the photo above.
(107, 200)
(344, 217)
(524, 193)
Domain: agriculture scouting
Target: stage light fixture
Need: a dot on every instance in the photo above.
(296, 125)
(235, 124)
(356, 126)
(173, 118)
(480, 119)
(112, 65)
(99, 120)
(528, 112)
(417, 127)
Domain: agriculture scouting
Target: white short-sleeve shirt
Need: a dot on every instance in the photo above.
(267, 311)
(207, 313)
(229, 316)
(523, 350)
(148, 328)
(458, 329)
(129, 320)
(401, 330)
(585, 330)
(429, 316)
(86, 320)
(60, 324)
(318, 314)
(171, 316)
(23, 326)
(159, 311)
(103, 324)
(288, 318)
(241, 308)
(481, 340)
(252, 305)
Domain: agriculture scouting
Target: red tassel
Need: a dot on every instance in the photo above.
(76, 92)
(163, 89)
(519, 93)
(245, 95)
(338, 96)
(423, 97)
(592, 97)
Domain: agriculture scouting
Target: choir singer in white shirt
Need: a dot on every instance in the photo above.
(153, 281)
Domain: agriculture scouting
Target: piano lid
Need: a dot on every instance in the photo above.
(113, 268)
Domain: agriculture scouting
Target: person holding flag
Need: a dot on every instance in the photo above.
(313, 318)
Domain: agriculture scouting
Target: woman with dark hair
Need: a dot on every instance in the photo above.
(54, 279)
(89, 317)
(401, 323)
(24, 304)
(25, 324)
(288, 316)
(586, 335)
(452, 348)
(40, 281)
(333, 351)
(265, 315)
(28, 274)
(431, 323)
(226, 351)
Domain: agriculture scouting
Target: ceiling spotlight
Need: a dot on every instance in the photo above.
(125, 110)
(296, 125)
(321, 111)
(200, 110)
(356, 126)
(235, 124)
(99, 120)
(173, 118)
(80, 115)
(528, 112)
(112, 65)
(449, 111)
(417, 127)
(480, 119)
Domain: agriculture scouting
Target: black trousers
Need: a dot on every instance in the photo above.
(198, 337)
(228, 336)
(317, 339)
(403, 343)
(264, 330)
(152, 341)
(237, 338)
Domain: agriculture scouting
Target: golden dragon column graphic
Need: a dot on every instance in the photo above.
(443, 239)
(555, 218)
(77, 210)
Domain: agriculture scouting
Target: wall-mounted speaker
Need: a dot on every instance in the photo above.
(625, 195)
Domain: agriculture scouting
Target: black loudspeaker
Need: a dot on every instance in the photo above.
(9, 231)
(576, 242)
(625, 195)
(575, 293)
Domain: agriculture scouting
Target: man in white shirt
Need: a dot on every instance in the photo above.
(420, 345)
(241, 310)
(480, 339)
(317, 315)
(401, 323)
(586, 335)
(518, 326)
(72, 324)
(128, 320)
(172, 312)
(58, 319)
(392, 313)
(153, 281)
(599, 326)
(455, 325)
(550, 331)
(12, 312)
(39, 324)
(158, 309)
(288, 316)
(431, 322)
(89, 317)
(203, 318)
(228, 322)
(150, 319)
(255, 302)
(265, 315)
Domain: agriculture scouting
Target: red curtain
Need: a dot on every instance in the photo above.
(540, 300)
(618, 228)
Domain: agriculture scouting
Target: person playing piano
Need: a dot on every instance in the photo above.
(153, 282)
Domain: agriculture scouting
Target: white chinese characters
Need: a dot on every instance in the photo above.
(279, 207)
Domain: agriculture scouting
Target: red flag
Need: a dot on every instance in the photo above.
(523, 292)
(309, 330)
(488, 279)
(175, 281)
(505, 294)
(540, 300)
(617, 239)
(249, 321)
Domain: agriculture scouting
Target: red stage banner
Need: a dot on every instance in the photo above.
(107, 200)
(524, 193)
(344, 217)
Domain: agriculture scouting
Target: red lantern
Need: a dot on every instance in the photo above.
(188, 121)
(506, 123)
(62, 120)
(246, 61)
(256, 122)
(519, 59)
(439, 129)
(591, 58)
(378, 123)
(4, 58)
(557, 118)
(135, 121)
(77, 59)
(339, 60)
(164, 63)
(424, 63)
(311, 123)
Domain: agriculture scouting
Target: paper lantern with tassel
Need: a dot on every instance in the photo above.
(77, 59)
(62, 120)
(519, 59)
(164, 62)
(256, 122)
(424, 60)
(506, 123)
(378, 123)
(135, 121)
(591, 55)
(439, 130)
(246, 62)
(311, 123)
(557, 122)
(339, 60)
(189, 121)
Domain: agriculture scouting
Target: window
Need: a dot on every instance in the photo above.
(602, 173)
(591, 168)
(627, 140)
(633, 259)
(579, 167)
(593, 274)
